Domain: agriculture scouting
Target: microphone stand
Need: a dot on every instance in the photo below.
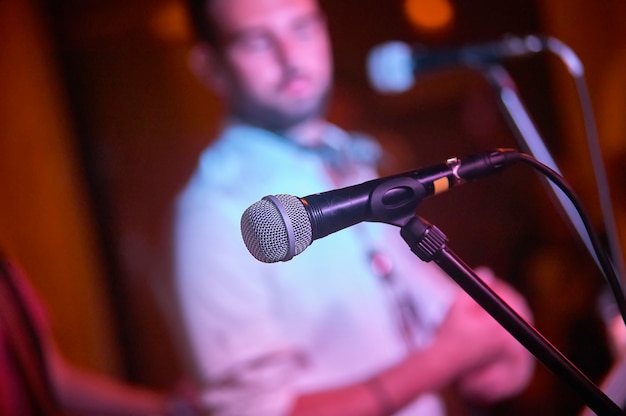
(430, 244)
(530, 140)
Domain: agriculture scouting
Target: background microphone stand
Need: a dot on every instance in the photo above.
(530, 140)
(430, 244)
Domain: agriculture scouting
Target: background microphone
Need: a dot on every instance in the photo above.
(392, 66)
(279, 227)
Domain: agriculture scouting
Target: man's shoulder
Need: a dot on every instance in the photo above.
(231, 176)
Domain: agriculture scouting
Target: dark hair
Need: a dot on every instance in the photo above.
(202, 24)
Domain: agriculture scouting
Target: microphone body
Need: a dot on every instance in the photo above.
(281, 226)
(392, 66)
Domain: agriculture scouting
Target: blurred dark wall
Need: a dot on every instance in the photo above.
(46, 216)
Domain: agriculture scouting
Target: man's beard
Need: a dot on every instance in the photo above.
(250, 110)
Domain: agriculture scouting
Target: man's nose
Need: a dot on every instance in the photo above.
(286, 51)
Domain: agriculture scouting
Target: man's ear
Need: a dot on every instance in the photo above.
(207, 67)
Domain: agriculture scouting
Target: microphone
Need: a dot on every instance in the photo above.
(279, 227)
(392, 66)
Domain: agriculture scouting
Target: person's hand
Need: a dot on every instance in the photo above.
(511, 368)
(491, 364)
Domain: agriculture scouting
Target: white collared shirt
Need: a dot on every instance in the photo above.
(262, 334)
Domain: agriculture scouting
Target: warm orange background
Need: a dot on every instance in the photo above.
(101, 123)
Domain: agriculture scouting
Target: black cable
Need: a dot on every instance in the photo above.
(576, 70)
(603, 259)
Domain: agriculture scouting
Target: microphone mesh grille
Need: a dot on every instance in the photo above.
(265, 232)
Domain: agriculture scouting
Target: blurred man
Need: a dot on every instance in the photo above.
(357, 325)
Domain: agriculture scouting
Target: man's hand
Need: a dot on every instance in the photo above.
(492, 365)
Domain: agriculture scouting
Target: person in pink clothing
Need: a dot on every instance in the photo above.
(37, 380)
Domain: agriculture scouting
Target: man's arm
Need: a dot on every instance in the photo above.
(471, 350)
(85, 392)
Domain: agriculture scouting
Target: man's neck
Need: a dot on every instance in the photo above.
(307, 134)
